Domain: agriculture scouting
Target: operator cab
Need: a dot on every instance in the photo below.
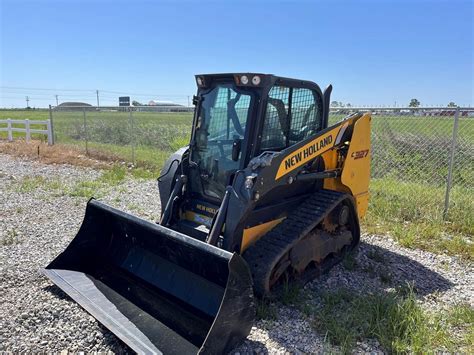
(238, 117)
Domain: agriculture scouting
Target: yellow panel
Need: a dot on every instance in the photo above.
(356, 170)
(252, 234)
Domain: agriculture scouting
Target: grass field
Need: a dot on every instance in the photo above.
(410, 156)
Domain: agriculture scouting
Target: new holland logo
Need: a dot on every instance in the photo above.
(307, 152)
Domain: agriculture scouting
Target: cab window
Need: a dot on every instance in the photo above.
(292, 115)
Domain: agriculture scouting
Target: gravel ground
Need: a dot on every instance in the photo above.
(37, 224)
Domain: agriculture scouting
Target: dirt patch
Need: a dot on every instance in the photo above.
(57, 154)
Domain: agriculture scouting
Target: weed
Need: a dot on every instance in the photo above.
(369, 269)
(30, 183)
(461, 314)
(395, 319)
(141, 173)
(411, 213)
(306, 309)
(86, 189)
(385, 276)
(266, 310)
(114, 176)
(375, 255)
(10, 238)
(291, 293)
(461, 318)
(133, 207)
(349, 262)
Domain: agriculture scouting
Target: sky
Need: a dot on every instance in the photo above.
(373, 52)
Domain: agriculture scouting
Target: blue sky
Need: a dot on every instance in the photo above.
(373, 52)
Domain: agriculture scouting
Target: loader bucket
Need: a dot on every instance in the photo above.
(158, 290)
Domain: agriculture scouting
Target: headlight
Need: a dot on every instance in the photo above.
(256, 80)
(244, 79)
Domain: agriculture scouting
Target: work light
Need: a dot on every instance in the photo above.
(256, 80)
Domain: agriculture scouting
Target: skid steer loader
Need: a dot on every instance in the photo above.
(265, 192)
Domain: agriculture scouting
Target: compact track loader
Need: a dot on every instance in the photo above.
(265, 192)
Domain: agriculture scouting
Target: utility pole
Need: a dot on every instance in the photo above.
(188, 102)
(97, 93)
(27, 102)
(57, 103)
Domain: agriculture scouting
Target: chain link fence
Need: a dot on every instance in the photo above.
(433, 147)
(427, 146)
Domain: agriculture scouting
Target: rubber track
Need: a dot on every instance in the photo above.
(264, 255)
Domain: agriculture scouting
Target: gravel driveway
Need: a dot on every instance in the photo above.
(37, 223)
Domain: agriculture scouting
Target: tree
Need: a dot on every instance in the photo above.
(451, 104)
(348, 105)
(334, 104)
(136, 103)
(414, 103)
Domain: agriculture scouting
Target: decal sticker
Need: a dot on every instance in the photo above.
(360, 154)
(206, 209)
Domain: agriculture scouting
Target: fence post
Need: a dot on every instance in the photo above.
(85, 130)
(132, 132)
(9, 129)
(51, 125)
(451, 163)
(50, 132)
(27, 129)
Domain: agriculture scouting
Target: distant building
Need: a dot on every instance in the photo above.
(162, 103)
(74, 106)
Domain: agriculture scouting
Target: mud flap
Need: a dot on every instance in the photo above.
(158, 290)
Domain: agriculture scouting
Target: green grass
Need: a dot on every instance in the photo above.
(10, 238)
(265, 309)
(349, 262)
(395, 319)
(114, 176)
(291, 293)
(30, 183)
(85, 188)
(412, 214)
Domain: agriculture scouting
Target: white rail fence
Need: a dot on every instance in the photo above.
(27, 130)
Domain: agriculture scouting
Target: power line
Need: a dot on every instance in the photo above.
(42, 89)
(90, 90)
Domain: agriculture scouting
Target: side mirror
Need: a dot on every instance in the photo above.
(236, 147)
